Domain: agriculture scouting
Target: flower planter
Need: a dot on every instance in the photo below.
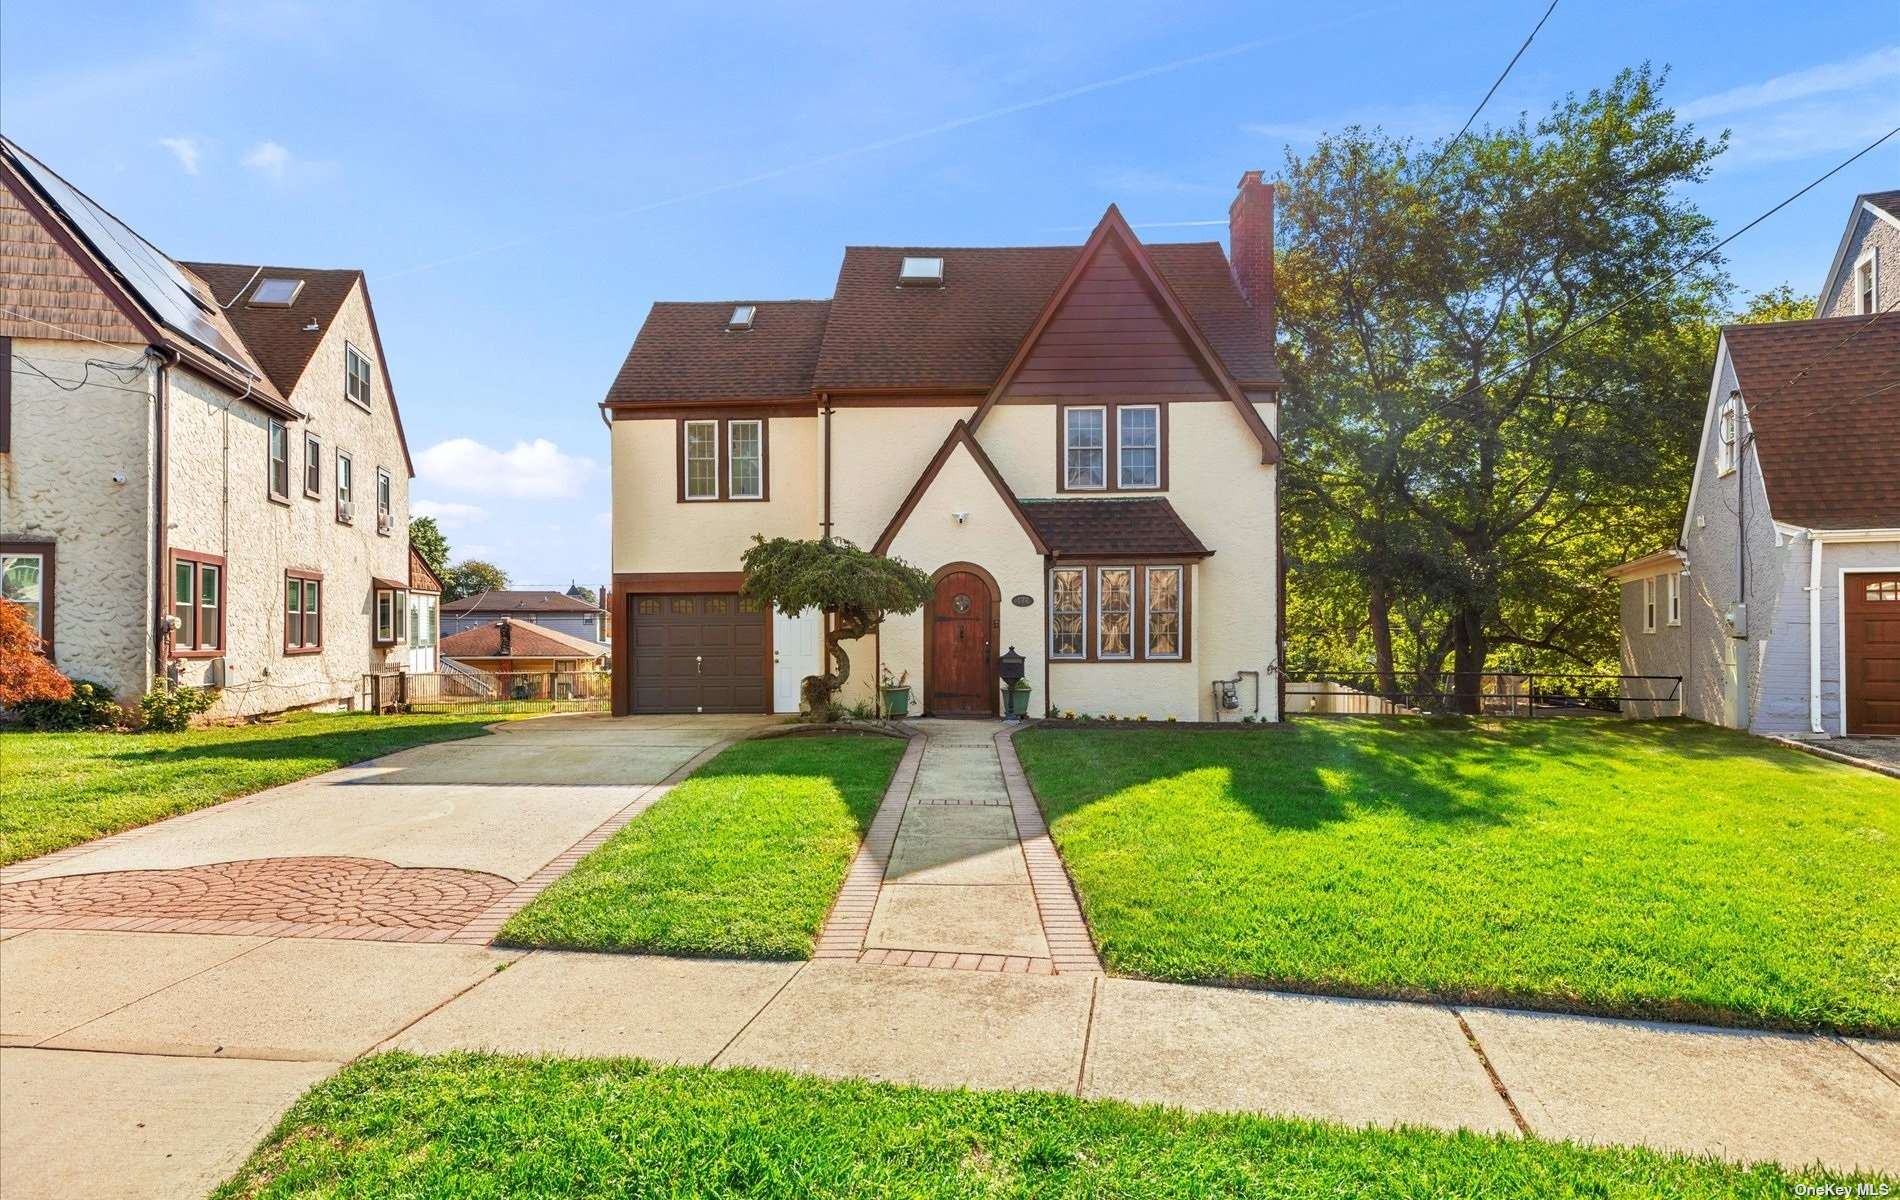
(896, 701)
(1016, 700)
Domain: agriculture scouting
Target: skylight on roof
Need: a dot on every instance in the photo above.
(742, 315)
(276, 293)
(918, 271)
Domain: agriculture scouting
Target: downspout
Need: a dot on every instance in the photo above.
(161, 525)
(824, 410)
(1814, 633)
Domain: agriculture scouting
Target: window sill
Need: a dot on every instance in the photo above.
(724, 499)
(276, 498)
(299, 651)
(362, 404)
(197, 654)
(310, 495)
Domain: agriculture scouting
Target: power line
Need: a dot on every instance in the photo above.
(1518, 365)
(1495, 85)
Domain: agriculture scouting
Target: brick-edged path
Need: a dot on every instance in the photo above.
(850, 918)
(1070, 946)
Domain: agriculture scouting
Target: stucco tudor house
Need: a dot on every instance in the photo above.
(1779, 606)
(203, 474)
(1077, 443)
(567, 612)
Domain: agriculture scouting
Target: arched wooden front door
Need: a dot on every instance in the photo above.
(962, 679)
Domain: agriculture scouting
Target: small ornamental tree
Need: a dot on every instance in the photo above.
(24, 672)
(856, 587)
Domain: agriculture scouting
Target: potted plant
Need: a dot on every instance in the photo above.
(896, 692)
(1017, 700)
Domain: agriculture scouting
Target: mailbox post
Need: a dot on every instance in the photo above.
(1009, 671)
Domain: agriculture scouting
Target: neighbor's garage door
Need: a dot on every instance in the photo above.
(698, 654)
(1873, 652)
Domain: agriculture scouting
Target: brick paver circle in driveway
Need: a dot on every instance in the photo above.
(326, 891)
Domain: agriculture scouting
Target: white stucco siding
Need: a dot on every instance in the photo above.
(876, 456)
(61, 483)
(654, 531)
(220, 504)
(990, 537)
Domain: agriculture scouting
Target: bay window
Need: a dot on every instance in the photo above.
(1162, 627)
(391, 610)
(1114, 611)
(1134, 613)
(1067, 612)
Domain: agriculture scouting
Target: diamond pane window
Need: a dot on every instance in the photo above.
(1113, 610)
(1065, 613)
(1164, 612)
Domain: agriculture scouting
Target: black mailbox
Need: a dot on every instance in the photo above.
(1009, 667)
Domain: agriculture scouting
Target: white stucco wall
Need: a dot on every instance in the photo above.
(59, 484)
(876, 455)
(654, 531)
(220, 504)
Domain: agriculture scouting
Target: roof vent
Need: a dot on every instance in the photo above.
(276, 293)
(742, 315)
(918, 271)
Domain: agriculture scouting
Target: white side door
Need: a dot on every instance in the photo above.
(795, 647)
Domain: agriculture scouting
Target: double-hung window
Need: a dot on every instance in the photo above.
(384, 502)
(1675, 597)
(1138, 446)
(26, 579)
(1068, 612)
(1649, 604)
(1114, 612)
(356, 375)
(1867, 284)
(1162, 628)
(312, 465)
(345, 488)
(1727, 431)
(724, 458)
(391, 609)
(1084, 448)
(197, 603)
(303, 612)
(279, 472)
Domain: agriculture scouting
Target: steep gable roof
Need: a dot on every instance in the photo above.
(1884, 206)
(1823, 404)
(686, 353)
(1888, 202)
(959, 436)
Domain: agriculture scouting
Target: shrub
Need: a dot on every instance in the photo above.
(168, 709)
(25, 675)
(87, 705)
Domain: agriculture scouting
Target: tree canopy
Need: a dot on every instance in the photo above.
(1468, 444)
(857, 588)
(470, 577)
(427, 539)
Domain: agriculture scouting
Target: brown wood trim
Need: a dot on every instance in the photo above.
(795, 406)
(908, 400)
(6, 394)
(964, 391)
(271, 424)
(1111, 446)
(959, 434)
(672, 582)
(308, 439)
(224, 595)
(323, 610)
(722, 466)
(48, 593)
(1138, 600)
(55, 228)
(336, 476)
(996, 631)
(376, 501)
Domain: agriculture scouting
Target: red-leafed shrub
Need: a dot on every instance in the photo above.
(24, 672)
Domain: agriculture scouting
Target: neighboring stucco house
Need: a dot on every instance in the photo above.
(1780, 604)
(202, 467)
(565, 612)
(1862, 279)
(1076, 443)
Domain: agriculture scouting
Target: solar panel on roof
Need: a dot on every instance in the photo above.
(156, 279)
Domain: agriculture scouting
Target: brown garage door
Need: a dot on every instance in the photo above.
(1873, 653)
(694, 654)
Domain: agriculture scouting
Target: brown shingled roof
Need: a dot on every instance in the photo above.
(525, 640)
(1889, 201)
(1144, 527)
(275, 336)
(520, 602)
(685, 353)
(1823, 402)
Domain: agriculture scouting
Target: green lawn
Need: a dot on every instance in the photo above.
(476, 1126)
(60, 789)
(1658, 869)
(743, 859)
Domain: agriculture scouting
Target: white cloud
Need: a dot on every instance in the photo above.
(535, 470)
(186, 150)
(269, 158)
(448, 514)
(1823, 80)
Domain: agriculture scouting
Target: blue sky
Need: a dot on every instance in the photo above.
(520, 181)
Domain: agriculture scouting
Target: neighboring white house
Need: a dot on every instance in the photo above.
(203, 474)
(571, 612)
(1780, 604)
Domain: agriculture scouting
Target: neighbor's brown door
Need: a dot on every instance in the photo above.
(697, 654)
(1873, 652)
(961, 683)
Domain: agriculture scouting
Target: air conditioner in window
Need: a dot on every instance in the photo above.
(384, 522)
(345, 511)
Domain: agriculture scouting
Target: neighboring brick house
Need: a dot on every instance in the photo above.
(576, 616)
(202, 468)
(1865, 274)
(1780, 603)
(1075, 442)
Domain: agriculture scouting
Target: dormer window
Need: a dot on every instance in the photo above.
(917, 271)
(742, 316)
(276, 293)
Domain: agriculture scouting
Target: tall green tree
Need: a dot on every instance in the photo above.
(1776, 304)
(470, 577)
(1467, 447)
(427, 539)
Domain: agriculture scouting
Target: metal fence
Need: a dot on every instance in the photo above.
(1498, 694)
(467, 691)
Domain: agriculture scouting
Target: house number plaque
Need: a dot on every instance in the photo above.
(1021, 601)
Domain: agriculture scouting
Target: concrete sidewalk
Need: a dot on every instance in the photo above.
(149, 1025)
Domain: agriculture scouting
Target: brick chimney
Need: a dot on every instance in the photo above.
(507, 636)
(1250, 245)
